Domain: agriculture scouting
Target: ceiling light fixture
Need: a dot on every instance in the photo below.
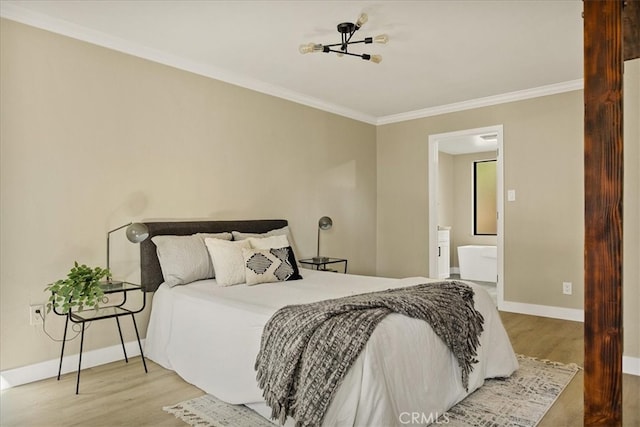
(489, 138)
(347, 30)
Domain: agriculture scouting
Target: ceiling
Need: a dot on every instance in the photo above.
(466, 144)
(441, 56)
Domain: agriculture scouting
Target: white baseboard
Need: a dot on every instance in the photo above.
(49, 369)
(572, 314)
(454, 270)
(630, 365)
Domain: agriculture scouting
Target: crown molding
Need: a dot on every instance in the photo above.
(484, 102)
(16, 13)
(65, 28)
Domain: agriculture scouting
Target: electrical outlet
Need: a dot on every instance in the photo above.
(566, 288)
(36, 313)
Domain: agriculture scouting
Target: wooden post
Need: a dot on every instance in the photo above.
(603, 168)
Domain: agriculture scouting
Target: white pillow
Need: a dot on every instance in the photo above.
(227, 260)
(185, 259)
(280, 241)
(239, 235)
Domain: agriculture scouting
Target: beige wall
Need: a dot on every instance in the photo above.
(548, 211)
(631, 209)
(92, 139)
(446, 189)
(544, 227)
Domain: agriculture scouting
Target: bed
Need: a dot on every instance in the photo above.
(210, 336)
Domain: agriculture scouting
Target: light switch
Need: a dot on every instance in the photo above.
(511, 195)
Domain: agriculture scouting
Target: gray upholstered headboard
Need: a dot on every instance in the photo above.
(150, 272)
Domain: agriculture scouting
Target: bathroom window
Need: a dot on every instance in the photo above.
(485, 211)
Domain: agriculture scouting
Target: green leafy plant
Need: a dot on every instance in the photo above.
(80, 289)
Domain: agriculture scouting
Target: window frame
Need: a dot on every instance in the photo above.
(475, 198)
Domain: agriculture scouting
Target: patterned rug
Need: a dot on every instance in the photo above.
(520, 400)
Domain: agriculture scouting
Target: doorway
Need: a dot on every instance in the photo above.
(464, 143)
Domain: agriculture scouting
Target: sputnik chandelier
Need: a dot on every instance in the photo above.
(347, 30)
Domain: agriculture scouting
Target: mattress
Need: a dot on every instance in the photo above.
(210, 336)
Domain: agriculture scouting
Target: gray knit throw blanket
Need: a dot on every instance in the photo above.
(307, 349)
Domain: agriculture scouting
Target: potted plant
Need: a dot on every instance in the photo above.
(80, 289)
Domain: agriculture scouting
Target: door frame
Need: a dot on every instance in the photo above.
(434, 144)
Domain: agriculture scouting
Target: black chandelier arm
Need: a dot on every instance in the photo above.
(342, 52)
(367, 40)
(348, 40)
(345, 42)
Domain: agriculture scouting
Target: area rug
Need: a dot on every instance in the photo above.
(520, 400)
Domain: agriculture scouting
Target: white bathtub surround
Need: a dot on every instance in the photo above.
(478, 262)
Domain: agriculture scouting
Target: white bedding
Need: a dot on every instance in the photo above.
(210, 336)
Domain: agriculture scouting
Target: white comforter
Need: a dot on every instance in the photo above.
(210, 336)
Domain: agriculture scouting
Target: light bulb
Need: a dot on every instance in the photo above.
(306, 48)
(310, 48)
(382, 39)
(376, 58)
(362, 20)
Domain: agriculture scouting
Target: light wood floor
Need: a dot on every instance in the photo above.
(562, 341)
(120, 394)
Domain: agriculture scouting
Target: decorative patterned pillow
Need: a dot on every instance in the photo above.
(270, 265)
(227, 260)
(184, 259)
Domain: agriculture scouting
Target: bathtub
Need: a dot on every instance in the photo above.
(478, 262)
